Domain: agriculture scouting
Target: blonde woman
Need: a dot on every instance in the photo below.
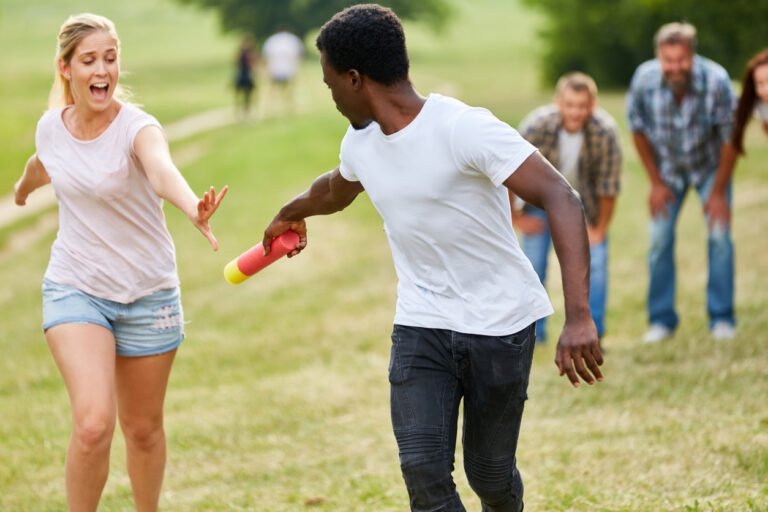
(112, 314)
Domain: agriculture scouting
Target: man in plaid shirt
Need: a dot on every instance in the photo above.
(580, 140)
(680, 107)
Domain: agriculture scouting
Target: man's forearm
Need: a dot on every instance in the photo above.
(645, 151)
(569, 237)
(725, 168)
(540, 184)
(606, 206)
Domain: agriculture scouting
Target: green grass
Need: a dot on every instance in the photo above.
(279, 397)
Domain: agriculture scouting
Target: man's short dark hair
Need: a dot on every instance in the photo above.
(368, 38)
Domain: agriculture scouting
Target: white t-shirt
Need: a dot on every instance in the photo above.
(112, 240)
(437, 183)
(283, 54)
(569, 147)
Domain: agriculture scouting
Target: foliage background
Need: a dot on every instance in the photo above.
(278, 397)
(608, 38)
(264, 17)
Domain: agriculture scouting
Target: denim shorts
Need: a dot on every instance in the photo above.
(148, 326)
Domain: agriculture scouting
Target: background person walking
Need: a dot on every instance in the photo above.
(245, 81)
(282, 54)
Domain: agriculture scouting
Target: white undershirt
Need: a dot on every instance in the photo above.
(569, 147)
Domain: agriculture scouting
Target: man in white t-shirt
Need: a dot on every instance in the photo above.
(438, 172)
(282, 53)
(580, 140)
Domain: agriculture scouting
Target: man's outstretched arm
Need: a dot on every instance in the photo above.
(538, 183)
(329, 193)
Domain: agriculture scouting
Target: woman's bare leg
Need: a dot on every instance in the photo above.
(85, 355)
(141, 385)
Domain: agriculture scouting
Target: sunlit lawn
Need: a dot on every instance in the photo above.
(279, 397)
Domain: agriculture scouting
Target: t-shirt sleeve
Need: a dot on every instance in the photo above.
(139, 121)
(482, 143)
(346, 159)
(43, 137)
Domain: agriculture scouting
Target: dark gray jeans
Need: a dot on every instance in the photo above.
(430, 371)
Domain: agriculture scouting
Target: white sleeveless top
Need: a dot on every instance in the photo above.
(112, 240)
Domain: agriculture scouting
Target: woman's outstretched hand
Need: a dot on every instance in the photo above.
(206, 207)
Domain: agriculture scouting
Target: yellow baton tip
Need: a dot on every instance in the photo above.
(232, 274)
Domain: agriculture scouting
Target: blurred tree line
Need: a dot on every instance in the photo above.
(609, 38)
(261, 18)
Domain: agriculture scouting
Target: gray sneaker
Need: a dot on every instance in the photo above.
(723, 331)
(657, 333)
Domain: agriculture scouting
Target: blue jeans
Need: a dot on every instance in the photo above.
(536, 247)
(661, 265)
(430, 371)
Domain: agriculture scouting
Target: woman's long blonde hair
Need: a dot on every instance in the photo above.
(71, 33)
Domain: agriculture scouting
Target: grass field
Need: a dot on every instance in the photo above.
(279, 396)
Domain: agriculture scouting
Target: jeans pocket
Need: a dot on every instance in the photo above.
(509, 360)
(395, 370)
(516, 342)
(405, 341)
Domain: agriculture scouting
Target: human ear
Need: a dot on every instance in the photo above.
(64, 69)
(355, 78)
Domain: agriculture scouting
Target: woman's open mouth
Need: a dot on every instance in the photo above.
(100, 91)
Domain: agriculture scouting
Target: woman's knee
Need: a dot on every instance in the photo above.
(93, 432)
(143, 433)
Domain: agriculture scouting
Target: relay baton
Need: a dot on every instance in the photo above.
(253, 260)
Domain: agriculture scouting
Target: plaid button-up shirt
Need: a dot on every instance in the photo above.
(599, 163)
(686, 137)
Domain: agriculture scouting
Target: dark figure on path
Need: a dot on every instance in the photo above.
(245, 81)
